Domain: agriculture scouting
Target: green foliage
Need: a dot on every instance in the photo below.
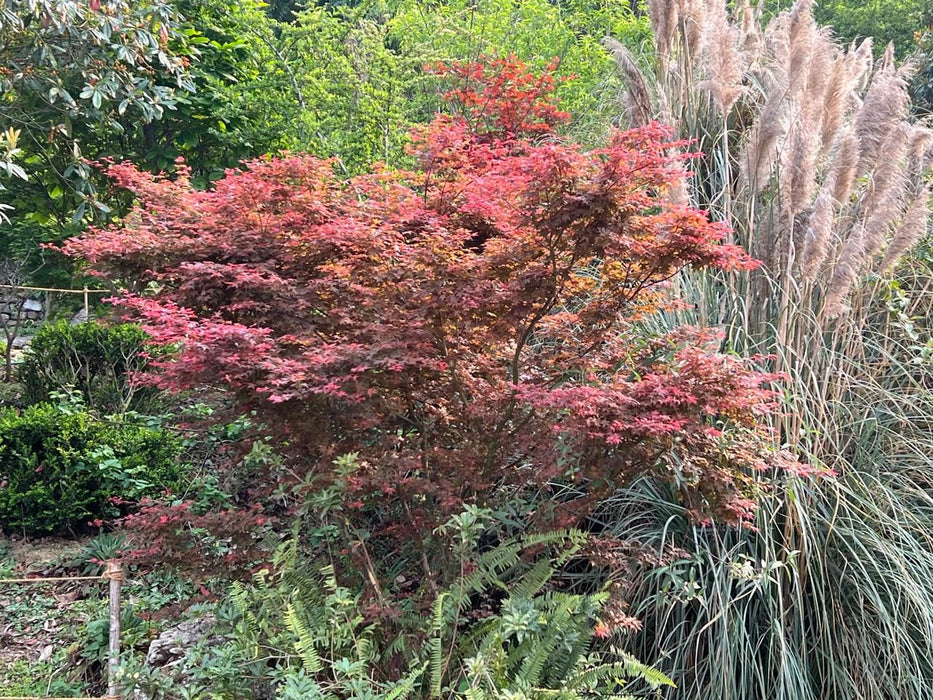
(242, 103)
(8, 154)
(922, 85)
(300, 633)
(96, 360)
(226, 82)
(24, 678)
(71, 70)
(897, 21)
(536, 31)
(59, 467)
(346, 80)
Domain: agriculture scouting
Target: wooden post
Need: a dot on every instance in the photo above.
(87, 312)
(115, 574)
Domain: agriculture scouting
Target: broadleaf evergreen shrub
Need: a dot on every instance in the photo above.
(60, 468)
(95, 359)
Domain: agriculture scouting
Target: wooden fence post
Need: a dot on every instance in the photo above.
(115, 574)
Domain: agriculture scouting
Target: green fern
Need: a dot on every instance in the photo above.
(436, 644)
(537, 642)
(405, 687)
(305, 639)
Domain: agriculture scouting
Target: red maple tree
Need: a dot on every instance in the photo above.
(474, 322)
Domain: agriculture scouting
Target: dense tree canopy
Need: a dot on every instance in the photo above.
(71, 71)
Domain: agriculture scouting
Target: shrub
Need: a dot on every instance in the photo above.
(474, 323)
(95, 359)
(59, 468)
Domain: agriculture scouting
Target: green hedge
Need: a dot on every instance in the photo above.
(59, 468)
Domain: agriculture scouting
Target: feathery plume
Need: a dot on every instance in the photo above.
(837, 99)
(752, 40)
(879, 221)
(917, 151)
(819, 231)
(834, 192)
(761, 147)
(844, 276)
(777, 43)
(663, 15)
(722, 60)
(859, 62)
(845, 164)
(890, 171)
(637, 96)
(798, 164)
(693, 23)
(913, 227)
(801, 154)
(801, 33)
(886, 103)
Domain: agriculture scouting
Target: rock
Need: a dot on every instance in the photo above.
(171, 647)
(33, 305)
(80, 317)
(21, 341)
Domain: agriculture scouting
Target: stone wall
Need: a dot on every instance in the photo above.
(27, 309)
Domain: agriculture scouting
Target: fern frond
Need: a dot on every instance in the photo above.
(304, 640)
(571, 536)
(490, 566)
(436, 646)
(404, 687)
(560, 623)
(531, 583)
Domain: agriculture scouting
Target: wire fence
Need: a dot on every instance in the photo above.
(114, 575)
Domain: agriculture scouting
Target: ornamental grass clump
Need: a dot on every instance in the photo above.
(811, 154)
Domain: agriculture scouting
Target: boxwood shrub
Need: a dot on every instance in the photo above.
(92, 358)
(60, 468)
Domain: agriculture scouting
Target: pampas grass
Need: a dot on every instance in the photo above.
(814, 159)
(781, 129)
(912, 229)
(637, 98)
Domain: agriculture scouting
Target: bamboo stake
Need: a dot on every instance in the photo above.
(115, 574)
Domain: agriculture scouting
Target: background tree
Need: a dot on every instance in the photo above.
(71, 69)
(74, 75)
(900, 22)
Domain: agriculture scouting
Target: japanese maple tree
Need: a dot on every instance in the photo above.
(473, 323)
